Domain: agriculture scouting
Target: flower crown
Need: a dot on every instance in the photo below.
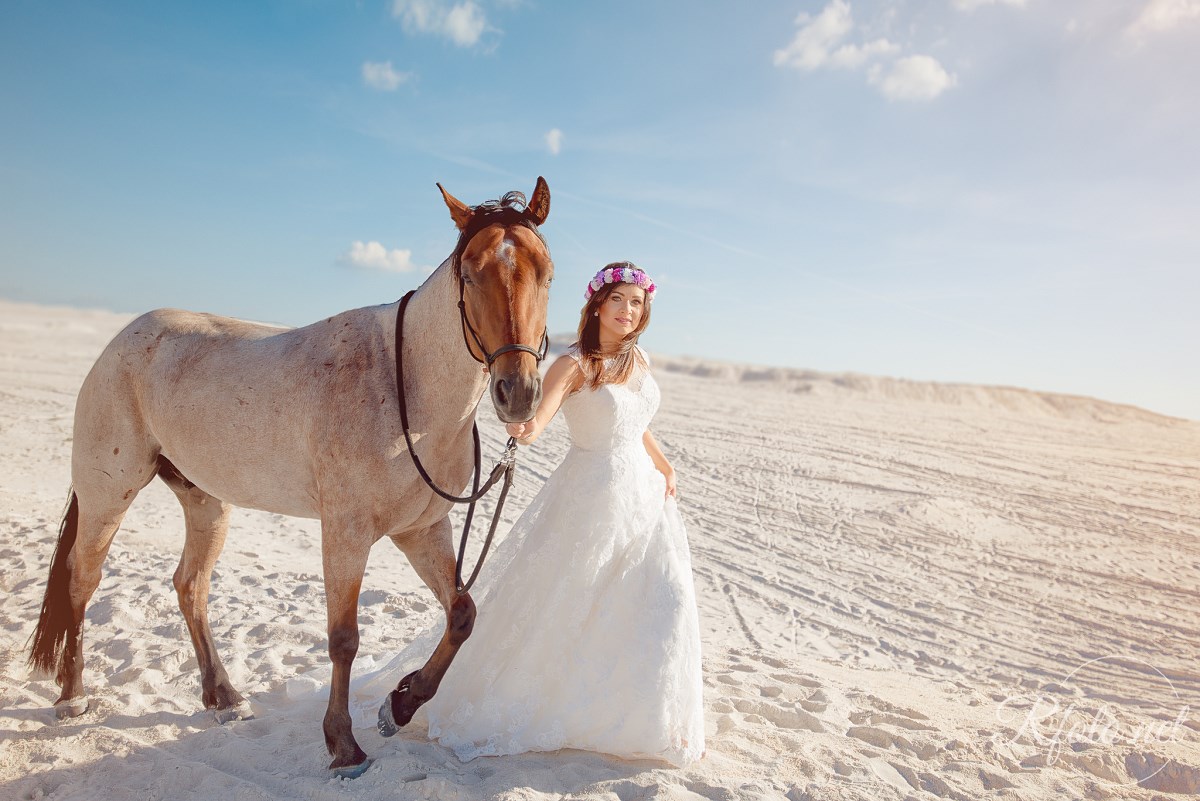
(626, 274)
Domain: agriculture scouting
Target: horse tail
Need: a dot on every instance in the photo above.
(56, 618)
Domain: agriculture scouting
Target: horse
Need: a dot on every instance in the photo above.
(304, 422)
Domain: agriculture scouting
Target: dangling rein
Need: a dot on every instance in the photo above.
(504, 467)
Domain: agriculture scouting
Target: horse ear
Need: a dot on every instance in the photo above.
(539, 207)
(459, 212)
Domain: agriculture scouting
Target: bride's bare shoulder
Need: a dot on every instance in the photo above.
(566, 372)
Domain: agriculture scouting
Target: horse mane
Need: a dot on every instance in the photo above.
(510, 209)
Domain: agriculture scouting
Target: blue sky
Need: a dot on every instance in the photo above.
(987, 191)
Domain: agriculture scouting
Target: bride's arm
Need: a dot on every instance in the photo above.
(562, 377)
(660, 460)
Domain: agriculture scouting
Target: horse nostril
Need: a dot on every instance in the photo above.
(503, 387)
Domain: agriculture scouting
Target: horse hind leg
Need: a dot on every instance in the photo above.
(112, 459)
(207, 520)
(431, 553)
(89, 524)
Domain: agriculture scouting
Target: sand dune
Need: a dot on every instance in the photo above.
(895, 579)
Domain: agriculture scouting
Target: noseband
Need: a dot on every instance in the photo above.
(503, 349)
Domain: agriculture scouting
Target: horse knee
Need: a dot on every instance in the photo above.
(182, 585)
(343, 644)
(462, 619)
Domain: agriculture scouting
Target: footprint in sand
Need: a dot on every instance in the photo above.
(792, 678)
(881, 738)
(1154, 772)
(779, 716)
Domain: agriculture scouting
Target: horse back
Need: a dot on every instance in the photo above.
(250, 413)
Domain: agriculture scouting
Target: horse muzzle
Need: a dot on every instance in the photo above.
(516, 395)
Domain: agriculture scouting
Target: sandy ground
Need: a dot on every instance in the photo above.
(907, 591)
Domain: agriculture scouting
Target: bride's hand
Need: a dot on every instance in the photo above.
(671, 491)
(519, 430)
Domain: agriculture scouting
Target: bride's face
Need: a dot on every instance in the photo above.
(621, 311)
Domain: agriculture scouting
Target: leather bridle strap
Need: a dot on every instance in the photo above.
(491, 357)
(503, 468)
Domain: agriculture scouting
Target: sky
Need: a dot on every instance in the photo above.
(984, 191)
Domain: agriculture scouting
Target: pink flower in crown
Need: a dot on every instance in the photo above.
(608, 276)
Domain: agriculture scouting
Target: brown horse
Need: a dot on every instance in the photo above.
(304, 422)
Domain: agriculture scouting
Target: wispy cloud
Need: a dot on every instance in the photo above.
(1159, 16)
(970, 5)
(554, 140)
(381, 75)
(912, 78)
(463, 23)
(374, 256)
(819, 42)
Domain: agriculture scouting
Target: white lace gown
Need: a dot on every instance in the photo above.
(587, 633)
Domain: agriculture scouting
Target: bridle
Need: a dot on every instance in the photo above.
(504, 468)
(503, 349)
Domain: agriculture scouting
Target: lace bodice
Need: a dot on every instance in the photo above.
(612, 416)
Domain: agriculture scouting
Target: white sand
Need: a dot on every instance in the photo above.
(890, 574)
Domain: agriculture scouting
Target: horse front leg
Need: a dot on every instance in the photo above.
(431, 553)
(345, 548)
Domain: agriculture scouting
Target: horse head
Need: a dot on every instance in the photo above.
(504, 272)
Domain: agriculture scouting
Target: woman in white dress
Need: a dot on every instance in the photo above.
(587, 633)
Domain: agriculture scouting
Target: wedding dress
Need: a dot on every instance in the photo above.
(586, 634)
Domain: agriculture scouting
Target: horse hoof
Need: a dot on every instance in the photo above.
(240, 712)
(387, 721)
(393, 715)
(351, 771)
(71, 708)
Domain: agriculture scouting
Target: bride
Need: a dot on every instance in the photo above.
(586, 634)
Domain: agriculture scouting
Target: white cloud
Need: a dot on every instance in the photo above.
(382, 76)
(852, 56)
(374, 256)
(912, 78)
(1163, 15)
(970, 5)
(463, 23)
(817, 42)
(554, 138)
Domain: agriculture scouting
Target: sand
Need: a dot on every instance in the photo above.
(907, 590)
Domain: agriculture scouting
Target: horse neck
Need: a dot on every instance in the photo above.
(438, 369)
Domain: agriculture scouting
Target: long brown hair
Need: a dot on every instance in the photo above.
(620, 362)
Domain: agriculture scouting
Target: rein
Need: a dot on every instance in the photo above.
(504, 468)
(505, 213)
